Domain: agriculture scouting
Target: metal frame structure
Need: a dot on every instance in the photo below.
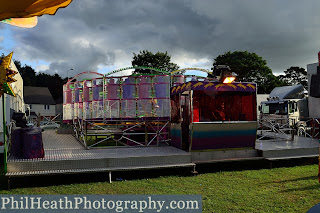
(116, 126)
(286, 128)
(312, 129)
(276, 128)
(128, 110)
(121, 133)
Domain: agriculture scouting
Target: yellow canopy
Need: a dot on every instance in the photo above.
(29, 8)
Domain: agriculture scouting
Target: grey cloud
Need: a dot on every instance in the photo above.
(64, 47)
(88, 34)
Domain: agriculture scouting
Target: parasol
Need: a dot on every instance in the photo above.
(23, 13)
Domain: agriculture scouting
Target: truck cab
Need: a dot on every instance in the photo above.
(293, 109)
(285, 104)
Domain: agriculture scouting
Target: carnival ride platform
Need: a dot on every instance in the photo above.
(278, 141)
(64, 154)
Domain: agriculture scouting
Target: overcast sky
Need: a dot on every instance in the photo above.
(102, 35)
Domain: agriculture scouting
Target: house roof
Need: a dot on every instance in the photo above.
(37, 95)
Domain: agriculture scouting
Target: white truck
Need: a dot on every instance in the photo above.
(286, 105)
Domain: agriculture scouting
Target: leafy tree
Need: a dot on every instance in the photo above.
(250, 68)
(148, 59)
(27, 73)
(295, 75)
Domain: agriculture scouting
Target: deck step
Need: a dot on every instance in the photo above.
(229, 160)
(290, 153)
(292, 157)
(100, 159)
(212, 156)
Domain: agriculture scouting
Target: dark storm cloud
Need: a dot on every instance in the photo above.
(282, 32)
(88, 35)
(62, 43)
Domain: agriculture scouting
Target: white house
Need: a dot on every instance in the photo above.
(40, 101)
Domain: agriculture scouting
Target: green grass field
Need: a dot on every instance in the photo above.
(292, 189)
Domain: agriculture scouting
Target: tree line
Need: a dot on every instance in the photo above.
(249, 67)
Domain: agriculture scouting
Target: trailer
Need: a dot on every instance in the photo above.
(214, 121)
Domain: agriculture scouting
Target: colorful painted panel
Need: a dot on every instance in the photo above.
(223, 135)
(175, 133)
(213, 86)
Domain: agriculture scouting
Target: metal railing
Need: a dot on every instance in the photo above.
(276, 128)
(8, 139)
(310, 128)
(115, 133)
(287, 128)
(78, 130)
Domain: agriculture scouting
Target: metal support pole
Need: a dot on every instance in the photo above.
(110, 177)
(85, 136)
(194, 171)
(146, 133)
(158, 133)
(292, 129)
(120, 98)
(104, 98)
